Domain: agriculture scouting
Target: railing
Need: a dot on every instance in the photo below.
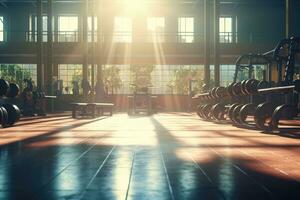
(133, 37)
(60, 36)
(228, 37)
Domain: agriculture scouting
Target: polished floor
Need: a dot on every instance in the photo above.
(166, 156)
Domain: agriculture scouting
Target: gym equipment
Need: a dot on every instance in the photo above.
(251, 101)
(91, 109)
(9, 114)
(141, 101)
(10, 90)
(13, 90)
(33, 101)
(4, 85)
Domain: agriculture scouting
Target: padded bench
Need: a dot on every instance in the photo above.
(91, 109)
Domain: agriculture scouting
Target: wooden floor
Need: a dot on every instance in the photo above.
(166, 156)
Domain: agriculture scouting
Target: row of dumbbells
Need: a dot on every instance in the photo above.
(244, 88)
(9, 113)
(264, 116)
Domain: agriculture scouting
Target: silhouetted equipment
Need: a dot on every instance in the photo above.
(10, 90)
(263, 102)
(34, 100)
(101, 94)
(91, 109)
(4, 85)
(141, 101)
(9, 113)
(75, 88)
(13, 90)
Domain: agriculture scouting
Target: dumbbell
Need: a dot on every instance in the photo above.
(221, 92)
(229, 89)
(218, 112)
(246, 111)
(230, 110)
(10, 90)
(205, 111)
(9, 114)
(237, 89)
(252, 86)
(235, 118)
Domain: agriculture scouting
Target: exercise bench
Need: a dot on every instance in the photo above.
(91, 109)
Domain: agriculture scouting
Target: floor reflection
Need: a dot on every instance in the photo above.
(160, 157)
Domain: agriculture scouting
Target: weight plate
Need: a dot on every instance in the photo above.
(206, 111)
(13, 90)
(282, 112)
(251, 86)
(263, 114)
(13, 113)
(230, 110)
(218, 112)
(4, 85)
(230, 88)
(4, 119)
(221, 92)
(237, 89)
(246, 110)
(243, 87)
(235, 115)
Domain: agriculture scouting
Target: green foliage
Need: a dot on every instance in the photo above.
(141, 75)
(111, 78)
(181, 79)
(14, 73)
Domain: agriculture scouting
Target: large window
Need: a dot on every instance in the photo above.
(33, 28)
(69, 74)
(1, 29)
(122, 30)
(90, 29)
(117, 78)
(186, 29)
(68, 29)
(227, 30)
(18, 72)
(156, 29)
(226, 74)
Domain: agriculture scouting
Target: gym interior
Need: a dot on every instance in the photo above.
(149, 99)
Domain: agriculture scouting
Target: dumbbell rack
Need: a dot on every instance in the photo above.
(9, 112)
(221, 104)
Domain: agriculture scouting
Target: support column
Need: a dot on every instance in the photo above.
(93, 45)
(39, 53)
(217, 42)
(85, 48)
(207, 41)
(50, 48)
(99, 41)
(288, 18)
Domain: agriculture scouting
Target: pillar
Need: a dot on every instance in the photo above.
(217, 42)
(85, 46)
(93, 45)
(288, 7)
(99, 41)
(39, 44)
(206, 41)
(50, 47)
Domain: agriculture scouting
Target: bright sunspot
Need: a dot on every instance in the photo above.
(135, 6)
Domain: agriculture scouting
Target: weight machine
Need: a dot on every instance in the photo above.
(141, 101)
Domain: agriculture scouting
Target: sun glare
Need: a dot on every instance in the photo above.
(136, 6)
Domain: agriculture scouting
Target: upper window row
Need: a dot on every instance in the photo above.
(67, 30)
